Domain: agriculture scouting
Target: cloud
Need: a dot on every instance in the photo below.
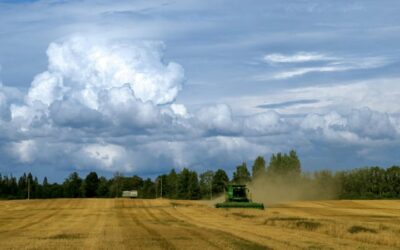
(266, 123)
(217, 118)
(298, 57)
(337, 66)
(287, 104)
(106, 156)
(82, 67)
(358, 127)
(110, 105)
(24, 151)
(288, 65)
(91, 82)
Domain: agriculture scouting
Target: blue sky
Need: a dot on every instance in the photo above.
(143, 86)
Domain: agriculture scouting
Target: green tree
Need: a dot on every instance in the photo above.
(183, 184)
(172, 184)
(219, 181)
(295, 165)
(116, 185)
(258, 168)
(284, 165)
(72, 186)
(149, 189)
(194, 188)
(45, 188)
(241, 175)
(206, 179)
(103, 188)
(91, 184)
(136, 182)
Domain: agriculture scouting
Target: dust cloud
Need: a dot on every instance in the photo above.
(277, 190)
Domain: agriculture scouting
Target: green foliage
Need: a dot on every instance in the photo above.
(362, 183)
(172, 185)
(188, 185)
(206, 179)
(72, 186)
(241, 175)
(148, 189)
(258, 168)
(219, 182)
(103, 188)
(284, 165)
(91, 184)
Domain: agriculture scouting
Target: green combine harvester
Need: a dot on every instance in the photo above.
(237, 196)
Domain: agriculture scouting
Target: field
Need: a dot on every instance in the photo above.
(165, 224)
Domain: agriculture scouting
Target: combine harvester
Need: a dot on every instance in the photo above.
(237, 196)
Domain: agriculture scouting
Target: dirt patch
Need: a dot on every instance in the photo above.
(65, 236)
(243, 215)
(294, 222)
(361, 229)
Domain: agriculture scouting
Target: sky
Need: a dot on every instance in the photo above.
(141, 87)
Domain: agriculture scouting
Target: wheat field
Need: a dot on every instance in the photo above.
(166, 224)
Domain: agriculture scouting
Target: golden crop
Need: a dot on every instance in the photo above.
(165, 224)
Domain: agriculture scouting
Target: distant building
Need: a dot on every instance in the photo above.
(130, 194)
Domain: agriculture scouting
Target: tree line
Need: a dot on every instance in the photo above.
(283, 169)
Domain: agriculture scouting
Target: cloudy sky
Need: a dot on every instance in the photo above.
(144, 86)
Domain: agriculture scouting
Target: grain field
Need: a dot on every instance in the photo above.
(166, 224)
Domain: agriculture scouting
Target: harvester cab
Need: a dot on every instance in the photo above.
(238, 196)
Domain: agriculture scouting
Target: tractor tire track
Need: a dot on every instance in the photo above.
(40, 219)
(195, 233)
(212, 226)
(163, 242)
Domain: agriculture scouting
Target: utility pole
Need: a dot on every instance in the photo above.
(161, 187)
(211, 189)
(29, 188)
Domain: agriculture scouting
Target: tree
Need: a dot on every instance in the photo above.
(136, 182)
(116, 185)
(72, 186)
(45, 188)
(206, 179)
(183, 184)
(295, 164)
(241, 175)
(149, 189)
(194, 188)
(219, 181)
(172, 184)
(258, 168)
(103, 188)
(23, 186)
(91, 184)
(283, 165)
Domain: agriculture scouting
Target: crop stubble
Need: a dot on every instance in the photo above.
(165, 224)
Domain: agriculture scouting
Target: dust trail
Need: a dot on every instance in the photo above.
(211, 203)
(273, 190)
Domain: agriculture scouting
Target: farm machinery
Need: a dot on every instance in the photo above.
(238, 196)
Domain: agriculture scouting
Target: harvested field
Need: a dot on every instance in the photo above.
(165, 224)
